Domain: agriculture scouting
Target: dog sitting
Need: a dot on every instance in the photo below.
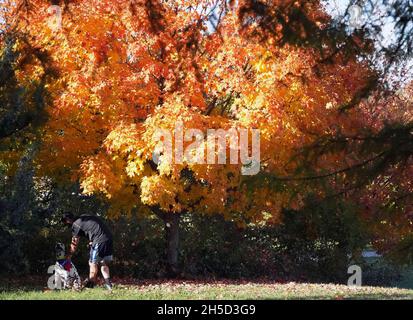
(66, 275)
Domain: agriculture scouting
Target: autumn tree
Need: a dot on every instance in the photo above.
(129, 68)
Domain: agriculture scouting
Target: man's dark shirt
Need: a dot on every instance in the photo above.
(91, 227)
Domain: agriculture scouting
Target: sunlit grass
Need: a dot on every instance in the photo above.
(170, 290)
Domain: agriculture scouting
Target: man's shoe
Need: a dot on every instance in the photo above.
(88, 284)
(108, 286)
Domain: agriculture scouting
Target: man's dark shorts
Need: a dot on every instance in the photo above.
(101, 252)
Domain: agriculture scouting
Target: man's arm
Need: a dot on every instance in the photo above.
(73, 246)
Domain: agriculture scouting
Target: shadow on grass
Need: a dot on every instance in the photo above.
(29, 288)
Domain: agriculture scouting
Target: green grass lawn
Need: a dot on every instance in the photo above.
(169, 290)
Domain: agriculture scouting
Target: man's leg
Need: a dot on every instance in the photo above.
(105, 270)
(106, 253)
(93, 268)
(106, 273)
(93, 271)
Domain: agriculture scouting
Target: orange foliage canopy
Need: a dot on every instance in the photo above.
(129, 67)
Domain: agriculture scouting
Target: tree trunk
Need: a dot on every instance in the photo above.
(172, 239)
(171, 221)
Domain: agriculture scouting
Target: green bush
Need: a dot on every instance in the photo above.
(316, 243)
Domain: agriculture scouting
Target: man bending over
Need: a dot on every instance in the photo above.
(100, 241)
